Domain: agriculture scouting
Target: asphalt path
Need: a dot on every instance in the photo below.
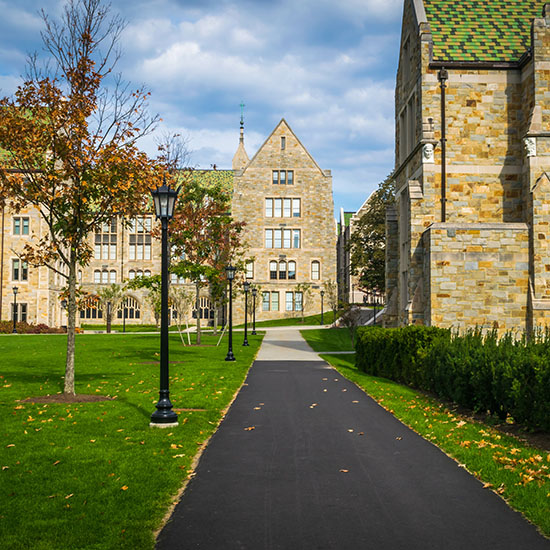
(306, 460)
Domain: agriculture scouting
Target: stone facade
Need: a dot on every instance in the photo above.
(497, 155)
(303, 242)
(285, 198)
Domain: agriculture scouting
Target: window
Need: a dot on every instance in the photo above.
(315, 270)
(175, 280)
(20, 226)
(293, 301)
(282, 238)
(205, 309)
(90, 310)
(292, 270)
(283, 142)
(282, 208)
(130, 309)
(282, 269)
(283, 177)
(19, 312)
(19, 270)
(140, 239)
(249, 273)
(296, 208)
(270, 301)
(296, 238)
(273, 270)
(112, 276)
(97, 276)
(105, 241)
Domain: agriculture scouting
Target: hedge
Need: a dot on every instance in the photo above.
(505, 377)
(6, 327)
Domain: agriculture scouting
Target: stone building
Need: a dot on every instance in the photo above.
(467, 242)
(282, 194)
(285, 198)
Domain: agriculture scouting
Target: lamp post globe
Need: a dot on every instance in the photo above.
(164, 199)
(246, 287)
(230, 272)
(254, 294)
(15, 289)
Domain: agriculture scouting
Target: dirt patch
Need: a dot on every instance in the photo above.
(65, 398)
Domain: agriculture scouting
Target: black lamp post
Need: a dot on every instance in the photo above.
(246, 287)
(254, 293)
(230, 271)
(322, 303)
(14, 309)
(164, 198)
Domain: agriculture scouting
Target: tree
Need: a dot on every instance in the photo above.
(331, 291)
(182, 301)
(305, 290)
(367, 242)
(110, 297)
(69, 136)
(350, 318)
(203, 235)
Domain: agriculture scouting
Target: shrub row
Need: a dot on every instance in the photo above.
(482, 372)
(6, 327)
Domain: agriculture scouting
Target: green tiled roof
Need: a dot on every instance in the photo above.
(481, 30)
(215, 177)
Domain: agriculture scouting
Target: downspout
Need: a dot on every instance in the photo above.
(442, 76)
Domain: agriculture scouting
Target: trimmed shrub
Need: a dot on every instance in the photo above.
(6, 327)
(482, 372)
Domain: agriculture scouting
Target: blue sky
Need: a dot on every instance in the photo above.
(327, 67)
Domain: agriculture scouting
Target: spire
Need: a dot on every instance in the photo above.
(240, 160)
(242, 123)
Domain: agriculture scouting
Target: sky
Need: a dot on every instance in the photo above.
(327, 67)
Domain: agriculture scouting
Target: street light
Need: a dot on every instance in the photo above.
(246, 287)
(254, 293)
(322, 299)
(14, 309)
(164, 198)
(230, 271)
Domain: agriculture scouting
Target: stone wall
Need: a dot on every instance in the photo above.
(478, 275)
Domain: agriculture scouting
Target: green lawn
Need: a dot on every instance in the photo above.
(331, 339)
(130, 328)
(518, 472)
(294, 321)
(95, 475)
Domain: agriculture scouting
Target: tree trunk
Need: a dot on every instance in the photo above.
(71, 325)
(215, 306)
(108, 319)
(197, 306)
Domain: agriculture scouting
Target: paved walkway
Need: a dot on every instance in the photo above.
(305, 460)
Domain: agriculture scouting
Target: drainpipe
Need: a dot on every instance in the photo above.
(442, 76)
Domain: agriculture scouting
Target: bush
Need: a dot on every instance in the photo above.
(6, 327)
(501, 376)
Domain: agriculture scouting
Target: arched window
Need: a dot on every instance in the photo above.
(282, 269)
(273, 270)
(130, 308)
(112, 276)
(131, 274)
(315, 270)
(205, 309)
(292, 270)
(104, 276)
(146, 273)
(97, 276)
(90, 309)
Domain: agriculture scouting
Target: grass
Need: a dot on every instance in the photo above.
(513, 469)
(295, 321)
(95, 475)
(130, 328)
(331, 339)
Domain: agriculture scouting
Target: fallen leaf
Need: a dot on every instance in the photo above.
(361, 433)
(460, 424)
(355, 401)
(487, 485)
(69, 496)
(10, 445)
(5, 468)
(124, 487)
(350, 431)
(92, 440)
(56, 462)
(399, 438)
(178, 456)
(173, 446)
(250, 428)
(257, 408)
(344, 389)
(344, 471)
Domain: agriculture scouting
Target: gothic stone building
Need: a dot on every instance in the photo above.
(285, 199)
(487, 261)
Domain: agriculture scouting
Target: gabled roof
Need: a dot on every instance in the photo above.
(285, 123)
(481, 30)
